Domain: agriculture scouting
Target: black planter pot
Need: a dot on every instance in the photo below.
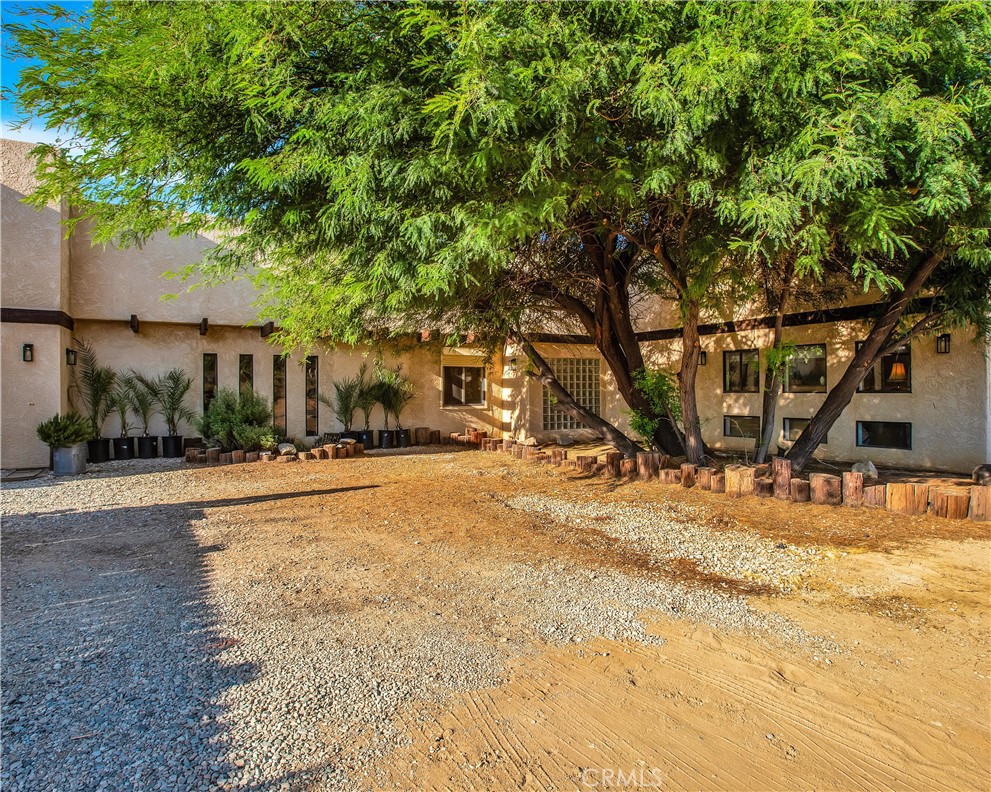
(98, 450)
(366, 437)
(172, 446)
(147, 447)
(405, 438)
(387, 438)
(123, 448)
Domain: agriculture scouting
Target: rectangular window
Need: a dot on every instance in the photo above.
(209, 378)
(792, 429)
(741, 371)
(464, 385)
(741, 426)
(580, 377)
(884, 434)
(891, 374)
(279, 394)
(312, 402)
(805, 371)
(245, 373)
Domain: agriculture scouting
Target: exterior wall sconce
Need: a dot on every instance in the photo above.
(204, 326)
(943, 344)
(27, 353)
(134, 324)
(267, 329)
(702, 359)
(70, 357)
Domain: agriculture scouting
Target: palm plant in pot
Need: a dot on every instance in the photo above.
(400, 394)
(94, 383)
(345, 402)
(144, 397)
(367, 397)
(66, 436)
(172, 388)
(120, 401)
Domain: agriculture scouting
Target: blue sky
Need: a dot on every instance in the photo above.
(34, 130)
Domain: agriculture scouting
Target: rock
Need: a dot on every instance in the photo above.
(982, 475)
(286, 449)
(866, 467)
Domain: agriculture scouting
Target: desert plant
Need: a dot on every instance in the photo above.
(120, 400)
(144, 397)
(346, 399)
(94, 384)
(229, 412)
(368, 394)
(64, 430)
(172, 389)
(254, 438)
(394, 392)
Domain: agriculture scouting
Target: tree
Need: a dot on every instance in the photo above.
(502, 167)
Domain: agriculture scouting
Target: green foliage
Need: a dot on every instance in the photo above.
(367, 395)
(661, 389)
(144, 396)
(776, 357)
(346, 399)
(254, 438)
(230, 412)
(120, 400)
(393, 391)
(94, 383)
(64, 430)
(172, 388)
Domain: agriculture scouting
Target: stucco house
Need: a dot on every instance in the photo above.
(926, 406)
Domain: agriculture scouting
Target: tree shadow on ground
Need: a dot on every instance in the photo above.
(113, 660)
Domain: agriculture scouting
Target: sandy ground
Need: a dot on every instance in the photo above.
(899, 700)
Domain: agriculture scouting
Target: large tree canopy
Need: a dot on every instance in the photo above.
(502, 166)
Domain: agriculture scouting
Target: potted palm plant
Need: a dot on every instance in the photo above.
(366, 399)
(344, 403)
(66, 436)
(385, 389)
(171, 389)
(144, 397)
(120, 402)
(401, 394)
(94, 383)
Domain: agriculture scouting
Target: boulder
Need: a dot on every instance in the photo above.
(866, 467)
(982, 475)
(286, 449)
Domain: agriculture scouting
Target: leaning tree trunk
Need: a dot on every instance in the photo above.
(694, 446)
(772, 387)
(567, 403)
(869, 353)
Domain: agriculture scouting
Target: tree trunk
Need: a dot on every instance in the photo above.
(567, 403)
(694, 446)
(772, 385)
(869, 353)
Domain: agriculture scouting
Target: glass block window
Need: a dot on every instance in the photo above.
(741, 371)
(464, 385)
(891, 374)
(805, 371)
(312, 402)
(245, 373)
(209, 378)
(580, 377)
(741, 426)
(884, 434)
(279, 394)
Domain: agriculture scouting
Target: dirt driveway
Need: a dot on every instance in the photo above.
(462, 620)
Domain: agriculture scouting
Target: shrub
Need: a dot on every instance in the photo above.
(661, 390)
(230, 412)
(62, 431)
(254, 438)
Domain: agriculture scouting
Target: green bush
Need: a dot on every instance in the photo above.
(230, 412)
(254, 438)
(661, 389)
(62, 431)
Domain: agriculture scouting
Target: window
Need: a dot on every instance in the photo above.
(245, 373)
(741, 371)
(279, 394)
(891, 374)
(464, 385)
(312, 402)
(209, 378)
(792, 428)
(741, 426)
(805, 371)
(884, 434)
(580, 377)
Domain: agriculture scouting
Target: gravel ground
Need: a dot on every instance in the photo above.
(145, 648)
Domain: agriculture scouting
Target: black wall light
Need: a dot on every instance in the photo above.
(702, 358)
(27, 353)
(943, 344)
(70, 357)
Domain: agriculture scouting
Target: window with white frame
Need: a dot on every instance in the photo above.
(464, 385)
(580, 377)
